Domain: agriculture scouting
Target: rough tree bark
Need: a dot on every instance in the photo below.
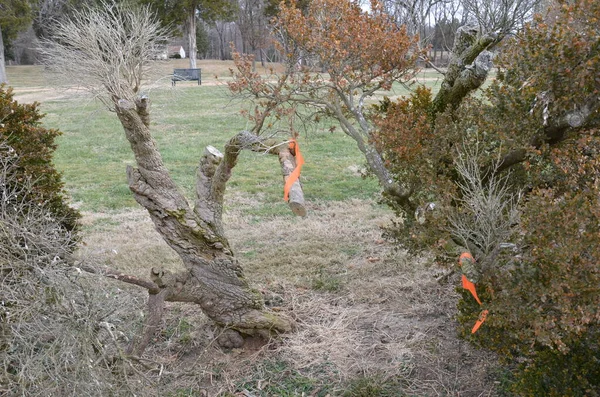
(214, 278)
(469, 66)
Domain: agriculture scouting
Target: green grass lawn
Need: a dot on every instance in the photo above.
(93, 152)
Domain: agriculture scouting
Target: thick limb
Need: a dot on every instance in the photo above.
(470, 64)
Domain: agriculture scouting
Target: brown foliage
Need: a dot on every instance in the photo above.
(337, 56)
(354, 47)
(404, 134)
(334, 52)
(540, 276)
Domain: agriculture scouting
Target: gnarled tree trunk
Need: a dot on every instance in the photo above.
(214, 278)
(468, 68)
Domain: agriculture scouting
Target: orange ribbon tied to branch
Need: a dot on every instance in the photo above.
(480, 320)
(470, 286)
(295, 175)
(466, 284)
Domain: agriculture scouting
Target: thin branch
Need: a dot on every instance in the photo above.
(555, 132)
(117, 275)
(107, 49)
(488, 210)
(433, 66)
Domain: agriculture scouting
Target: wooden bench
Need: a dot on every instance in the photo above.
(187, 75)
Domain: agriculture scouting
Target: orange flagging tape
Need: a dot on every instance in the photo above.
(479, 321)
(295, 175)
(466, 255)
(468, 285)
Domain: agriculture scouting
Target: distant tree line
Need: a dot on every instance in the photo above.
(207, 28)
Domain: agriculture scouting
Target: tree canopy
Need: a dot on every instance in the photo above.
(14, 16)
(336, 57)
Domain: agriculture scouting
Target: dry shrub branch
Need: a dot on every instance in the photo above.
(487, 215)
(60, 330)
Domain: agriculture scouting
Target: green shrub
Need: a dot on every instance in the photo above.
(539, 276)
(21, 129)
(544, 304)
(555, 374)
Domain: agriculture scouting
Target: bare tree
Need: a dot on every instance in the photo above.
(484, 24)
(501, 16)
(252, 22)
(414, 14)
(47, 12)
(488, 23)
(446, 19)
(110, 48)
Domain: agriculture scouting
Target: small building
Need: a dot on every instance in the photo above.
(175, 51)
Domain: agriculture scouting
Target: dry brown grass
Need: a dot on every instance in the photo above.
(362, 307)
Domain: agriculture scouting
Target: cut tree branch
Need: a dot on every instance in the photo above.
(117, 275)
(215, 170)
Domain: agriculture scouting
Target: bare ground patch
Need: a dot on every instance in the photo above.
(364, 310)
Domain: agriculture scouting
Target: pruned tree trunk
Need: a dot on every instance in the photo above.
(214, 278)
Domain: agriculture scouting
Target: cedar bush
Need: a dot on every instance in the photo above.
(21, 129)
(540, 280)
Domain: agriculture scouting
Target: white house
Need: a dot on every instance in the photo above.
(172, 51)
